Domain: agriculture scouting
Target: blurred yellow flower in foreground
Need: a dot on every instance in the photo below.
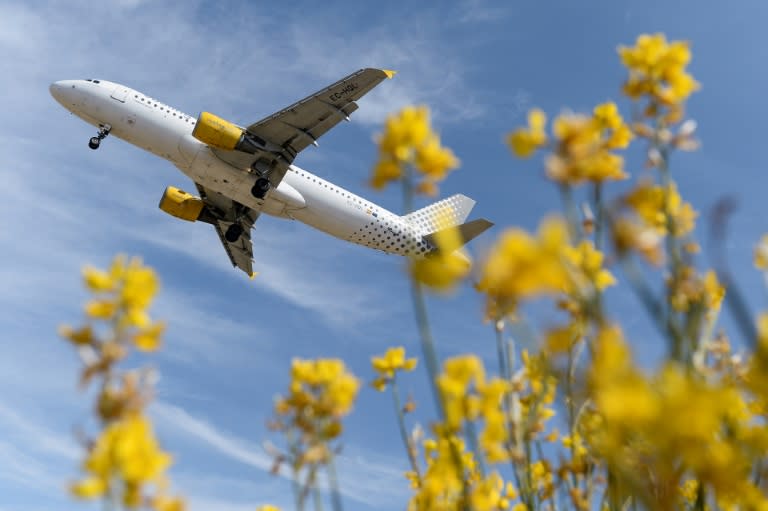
(589, 261)
(125, 457)
(582, 144)
(122, 296)
(408, 140)
(659, 207)
(320, 394)
(525, 141)
(522, 266)
(670, 424)
(447, 264)
(657, 70)
(388, 364)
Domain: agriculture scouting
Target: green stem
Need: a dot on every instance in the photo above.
(597, 201)
(333, 480)
(428, 351)
(409, 448)
(571, 213)
(317, 498)
(427, 343)
(498, 327)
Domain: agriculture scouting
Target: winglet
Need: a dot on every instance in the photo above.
(389, 73)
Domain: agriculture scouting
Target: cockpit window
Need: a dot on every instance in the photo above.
(96, 81)
(88, 80)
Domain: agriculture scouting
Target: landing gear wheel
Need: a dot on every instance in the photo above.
(104, 130)
(233, 233)
(260, 188)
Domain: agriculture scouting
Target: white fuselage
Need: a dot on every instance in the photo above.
(301, 195)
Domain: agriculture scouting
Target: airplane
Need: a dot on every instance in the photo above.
(242, 172)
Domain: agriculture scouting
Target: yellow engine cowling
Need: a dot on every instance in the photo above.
(217, 132)
(178, 203)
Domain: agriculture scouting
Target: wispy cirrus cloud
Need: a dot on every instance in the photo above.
(365, 481)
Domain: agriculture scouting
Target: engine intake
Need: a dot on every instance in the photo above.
(178, 203)
(222, 134)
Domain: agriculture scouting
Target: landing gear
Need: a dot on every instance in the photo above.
(261, 187)
(104, 130)
(233, 233)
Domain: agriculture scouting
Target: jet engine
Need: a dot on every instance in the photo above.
(222, 134)
(178, 203)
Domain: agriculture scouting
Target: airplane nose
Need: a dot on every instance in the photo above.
(55, 90)
(64, 91)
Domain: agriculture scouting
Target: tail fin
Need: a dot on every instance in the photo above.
(441, 214)
(468, 231)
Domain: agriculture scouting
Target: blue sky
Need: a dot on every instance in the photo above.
(478, 65)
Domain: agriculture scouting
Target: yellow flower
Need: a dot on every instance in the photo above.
(459, 373)
(657, 70)
(163, 503)
(487, 493)
(385, 171)
(652, 203)
(434, 160)
(404, 131)
(714, 291)
(563, 338)
(82, 335)
(128, 450)
(101, 309)
(148, 339)
(589, 261)
(607, 116)
(320, 393)
(393, 360)
(525, 141)
(140, 284)
(521, 266)
(408, 140)
(89, 488)
(97, 280)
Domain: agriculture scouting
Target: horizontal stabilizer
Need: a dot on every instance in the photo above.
(468, 231)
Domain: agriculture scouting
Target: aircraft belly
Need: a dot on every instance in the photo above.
(329, 213)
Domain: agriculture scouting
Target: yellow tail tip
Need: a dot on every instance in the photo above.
(253, 275)
(389, 73)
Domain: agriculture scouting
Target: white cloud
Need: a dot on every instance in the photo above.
(365, 481)
(177, 419)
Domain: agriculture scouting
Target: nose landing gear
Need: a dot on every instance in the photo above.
(104, 130)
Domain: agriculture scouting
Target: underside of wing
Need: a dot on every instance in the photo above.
(224, 213)
(277, 139)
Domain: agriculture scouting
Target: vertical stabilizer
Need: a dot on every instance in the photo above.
(441, 214)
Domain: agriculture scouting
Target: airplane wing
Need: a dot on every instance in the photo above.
(221, 212)
(284, 134)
